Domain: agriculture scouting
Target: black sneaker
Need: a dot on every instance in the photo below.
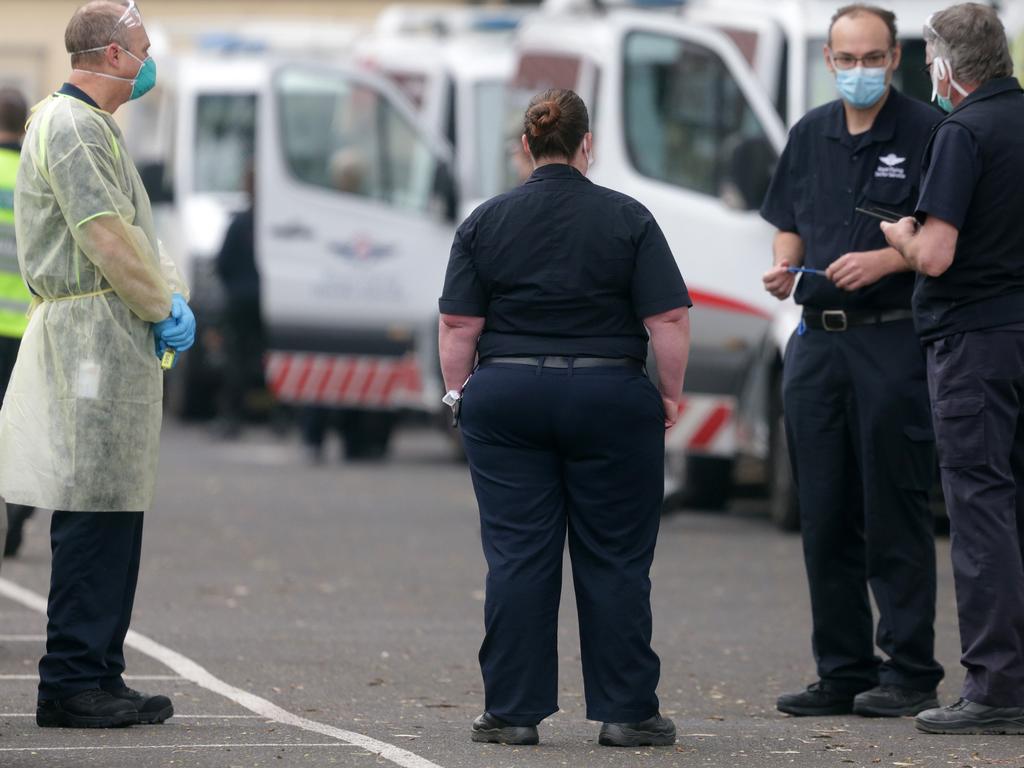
(893, 701)
(819, 699)
(969, 717)
(151, 709)
(89, 709)
(656, 731)
(488, 729)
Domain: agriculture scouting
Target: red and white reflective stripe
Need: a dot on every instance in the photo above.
(344, 380)
(706, 426)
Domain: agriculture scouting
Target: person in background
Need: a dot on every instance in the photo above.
(244, 341)
(80, 425)
(854, 395)
(15, 298)
(554, 288)
(966, 242)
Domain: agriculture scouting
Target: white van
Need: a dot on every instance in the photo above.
(682, 124)
(355, 214)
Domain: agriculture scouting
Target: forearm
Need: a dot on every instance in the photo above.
(890, 261)
(130, 270)
(670, 340)
(456, 341)
(787, 247)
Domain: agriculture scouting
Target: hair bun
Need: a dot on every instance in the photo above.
(543, 118)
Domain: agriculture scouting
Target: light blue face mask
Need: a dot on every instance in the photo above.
(142, 83)
(861, 87)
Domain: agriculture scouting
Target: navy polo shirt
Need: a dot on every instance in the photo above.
(561, 266)
(75, 92)
(974, 180)
(825, 173)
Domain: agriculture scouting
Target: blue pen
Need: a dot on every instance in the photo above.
(805, 271)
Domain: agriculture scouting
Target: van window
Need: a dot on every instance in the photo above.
(225, 140)
(345, 136)
(687, 121)
(909, 77)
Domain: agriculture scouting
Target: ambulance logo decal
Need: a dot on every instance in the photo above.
(890, 167)
(361, 248)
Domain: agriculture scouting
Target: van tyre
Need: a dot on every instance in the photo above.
(708, 484)
(367, 435)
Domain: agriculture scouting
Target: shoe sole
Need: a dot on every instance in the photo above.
(519, 736)
(616, 736)
(870, 711)
(992, 728)
(838, 709)
(66, 720)
(155, 718)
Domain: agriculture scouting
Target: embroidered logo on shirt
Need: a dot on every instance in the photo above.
(890, 167)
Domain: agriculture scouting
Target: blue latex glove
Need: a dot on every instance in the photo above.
(179, 330)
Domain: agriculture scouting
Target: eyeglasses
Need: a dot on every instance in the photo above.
(131, 17)
(871, 60)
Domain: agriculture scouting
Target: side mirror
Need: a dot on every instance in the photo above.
(748, 173)
(445, 192)
(154, 179)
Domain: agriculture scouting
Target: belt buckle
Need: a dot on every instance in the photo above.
(834, 314)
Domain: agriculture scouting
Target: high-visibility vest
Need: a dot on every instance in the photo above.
(14, 296)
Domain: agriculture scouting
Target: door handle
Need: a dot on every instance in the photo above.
(292, 230)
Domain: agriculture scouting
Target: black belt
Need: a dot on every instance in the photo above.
(841, 319)
(555, 361)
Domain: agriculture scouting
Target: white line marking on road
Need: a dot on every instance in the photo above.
(126, 677)
(229, 745)
(191, 671)
(22, 638)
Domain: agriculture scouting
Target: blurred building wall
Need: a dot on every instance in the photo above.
(32, 55)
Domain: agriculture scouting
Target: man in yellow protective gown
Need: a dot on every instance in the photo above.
(80, 425)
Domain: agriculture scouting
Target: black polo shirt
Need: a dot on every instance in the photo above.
(825, 173)
(561, 266)
(974, 180)
(75, 92)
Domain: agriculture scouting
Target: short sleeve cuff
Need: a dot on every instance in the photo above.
(781, 222)
(459, 307)
(947, 214)
(657, 306)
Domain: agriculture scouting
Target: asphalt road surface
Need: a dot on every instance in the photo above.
(331, 615)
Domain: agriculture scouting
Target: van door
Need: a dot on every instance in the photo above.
(352, 242)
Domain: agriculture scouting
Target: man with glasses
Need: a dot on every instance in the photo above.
(966, 243)
(80, 424)
(856, 405)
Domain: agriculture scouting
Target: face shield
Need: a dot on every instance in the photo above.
(941, 67)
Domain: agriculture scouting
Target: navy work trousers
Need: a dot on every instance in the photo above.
(862, 450)
(92, 589)
(551, 451)
(977, 388)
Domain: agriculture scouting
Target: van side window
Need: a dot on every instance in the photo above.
(225, 140)
(687, 122)
(346, 137)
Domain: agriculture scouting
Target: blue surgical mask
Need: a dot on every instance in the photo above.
(861, 87)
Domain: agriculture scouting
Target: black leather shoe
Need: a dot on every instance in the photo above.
(819, 699)
(969, 717)
(151, 709)
(89, 709)
(893, 701)
(655, 731)
(488, 729)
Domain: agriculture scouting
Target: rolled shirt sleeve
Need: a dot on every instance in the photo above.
(657, 284)
(953, 171)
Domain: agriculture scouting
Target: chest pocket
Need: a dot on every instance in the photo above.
(891, 194)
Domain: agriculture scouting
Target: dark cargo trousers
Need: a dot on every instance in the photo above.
(550, 452)
(977, 388)
(861, 446)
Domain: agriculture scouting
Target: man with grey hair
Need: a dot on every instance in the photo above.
(966, 242)
(80, 424)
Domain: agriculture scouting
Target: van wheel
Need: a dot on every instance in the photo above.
(367, 435)
(783, 506)
(708, 483)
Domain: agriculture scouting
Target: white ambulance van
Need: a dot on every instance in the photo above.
(682, 124)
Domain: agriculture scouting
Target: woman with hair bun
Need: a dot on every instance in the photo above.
(550, 294)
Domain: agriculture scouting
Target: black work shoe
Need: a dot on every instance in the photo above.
(819, 699)
(151, 709)
(488, 729)
(89, 709)
(893, 701)
(969, 717)
(655, 731)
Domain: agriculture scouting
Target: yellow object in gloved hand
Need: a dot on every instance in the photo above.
(167, 361)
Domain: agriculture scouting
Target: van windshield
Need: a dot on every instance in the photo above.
(225, 140)
(909, 78)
